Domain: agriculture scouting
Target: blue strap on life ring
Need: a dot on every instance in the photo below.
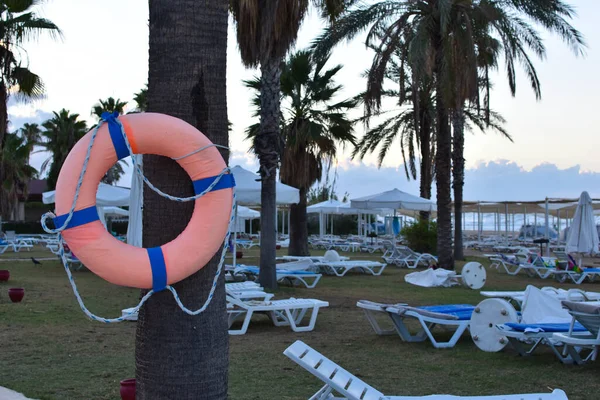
(80, 217)
(159, 268)
(226, 182)
(114, 129)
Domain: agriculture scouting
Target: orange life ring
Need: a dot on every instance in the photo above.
(123, 264)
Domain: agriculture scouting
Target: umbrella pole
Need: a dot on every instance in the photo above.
(479, 222)
(547, 236)
(235, 218)
(506, 222)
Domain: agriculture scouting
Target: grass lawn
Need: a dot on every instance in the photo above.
(50, 350)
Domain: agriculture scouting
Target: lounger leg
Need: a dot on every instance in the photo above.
(279, 318)
(518, 346)
(403, 331)
(244, 328)
(316, 280)
(375, 325)
(564, 357)
(460, 329)
(311, 324)
(323, 394)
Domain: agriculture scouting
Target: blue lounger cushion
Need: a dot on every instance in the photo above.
(460, 311)
(255, 270)
(547, 327)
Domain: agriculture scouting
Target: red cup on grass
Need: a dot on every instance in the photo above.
(16, 294)
(127, 390)
(4, 275)
(239, 254)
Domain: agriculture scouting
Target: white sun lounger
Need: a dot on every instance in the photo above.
(404, 256)
(517, 297)
(289, 312)
(311, 258)
(3, 246)
(308, 279)
(526, 338)
(13, 241)
(341, 268)
(578, 277)
(338, 380)
(588, 315)
(453, 317)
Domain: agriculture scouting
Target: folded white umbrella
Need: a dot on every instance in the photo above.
(583, 235)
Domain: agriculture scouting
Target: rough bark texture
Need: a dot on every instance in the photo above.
(443, 166)
(179, 356)
(3, 115)
(458, 175)
(5, 212)
(299, 227)
(426, 164)
(268, 149)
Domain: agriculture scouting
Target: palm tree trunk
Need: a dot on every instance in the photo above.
(3, 115)
(442, 164)
(458, 174)
(425, 173)
(268, 150)
(299, 227)
(4, 200)
(179, 356)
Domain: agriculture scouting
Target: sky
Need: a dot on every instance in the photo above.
(104, 52)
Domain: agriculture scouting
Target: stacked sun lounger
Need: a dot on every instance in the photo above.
(244, 301)
(293, 273)
(404, 256)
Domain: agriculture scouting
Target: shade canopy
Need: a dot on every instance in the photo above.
(247, 213)
(248, 186)
(393, 199)
(339, 208)
(326, 207)
(107, 195)
(583, 235)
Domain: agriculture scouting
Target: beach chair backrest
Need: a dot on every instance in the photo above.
(330, 373)
(586, 313)
(11, 236)
(591, 322)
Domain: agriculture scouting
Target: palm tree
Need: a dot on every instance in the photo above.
(60, 134)
(18, 24)
(141, 99)
(32, 134)
(266, 30)
(187, 80)
(111, 105)
(439, 26)
(411, 122)
(16, 174)
(313, 124)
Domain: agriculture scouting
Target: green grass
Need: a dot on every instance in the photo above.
(49, 350)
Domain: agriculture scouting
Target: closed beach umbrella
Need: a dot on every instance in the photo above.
(583, 235)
